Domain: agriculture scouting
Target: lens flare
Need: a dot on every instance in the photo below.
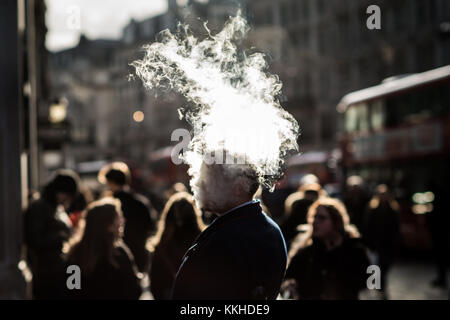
(233, 100)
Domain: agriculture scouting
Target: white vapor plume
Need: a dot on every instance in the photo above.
(233, 100)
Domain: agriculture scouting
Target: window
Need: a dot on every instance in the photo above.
(362, 120)
(357, 118)
(418, 105)
(350, 119)
(377, 115)
(295, 11)
(305, 9)
(284, 14)
(321, 7)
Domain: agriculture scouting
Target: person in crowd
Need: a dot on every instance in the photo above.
(327, 261)
(106, 264)
(46, 228)
(140, 218)
(356, 199)
(242, 253)
(438, 221)
(180, 223)
(175, 188)
(80, 202)
(296, 209)
(381, 231)
(274, 201)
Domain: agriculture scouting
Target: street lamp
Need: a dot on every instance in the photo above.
(58, 111)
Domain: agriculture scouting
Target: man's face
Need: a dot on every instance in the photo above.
(211, 191)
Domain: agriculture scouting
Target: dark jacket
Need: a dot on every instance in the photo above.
(241, 255)
(109, 282)
(336, 274)
(298, 215)
(381, 232)
(165, 263)
(45, 231)
(138, 226)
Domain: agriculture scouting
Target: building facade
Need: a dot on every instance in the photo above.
(321, 50)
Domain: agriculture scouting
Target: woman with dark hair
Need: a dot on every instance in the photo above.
(296, 209)
(180, 223)
(107, 265)
(140, 218)
(327, 261)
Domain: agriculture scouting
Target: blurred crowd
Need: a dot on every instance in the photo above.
(124, 244)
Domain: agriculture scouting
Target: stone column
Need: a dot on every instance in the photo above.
(11, 279)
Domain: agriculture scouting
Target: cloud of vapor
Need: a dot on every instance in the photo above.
(233, 100)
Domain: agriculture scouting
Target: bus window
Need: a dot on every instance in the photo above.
(417, 106)
(377, 115)
(357, 118)
(441, 100)
(363, 117)
(350, 119)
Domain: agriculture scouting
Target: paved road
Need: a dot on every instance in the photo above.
(411, 281)
(406, 281)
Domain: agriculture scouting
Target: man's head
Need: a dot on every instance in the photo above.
(221, 187)
(62, 188)
(311, 191)
(115, 175)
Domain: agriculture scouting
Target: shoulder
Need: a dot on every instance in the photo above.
(38, 207)
(250, 237)
(355, 247)
(299, 261)
(254, 227)
(293, 197)
(354, 243)
(142, 199)
(297, 195)
(304, 252)
(138, 201)
(39, 204)
(123, 253)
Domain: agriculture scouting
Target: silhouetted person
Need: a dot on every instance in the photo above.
(80, 202)
(327, 262)
(107, 266)
(356, 199)
(137, 211)
(381, 230)
(175, 188)
(242, 253)
(180, 223)
(47, 228)
(438, 221)
(296, 209)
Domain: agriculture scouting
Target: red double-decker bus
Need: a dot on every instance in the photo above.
(398, 133)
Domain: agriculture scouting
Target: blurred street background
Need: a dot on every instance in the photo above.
(373, 107)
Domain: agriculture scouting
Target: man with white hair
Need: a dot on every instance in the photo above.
(242, 254)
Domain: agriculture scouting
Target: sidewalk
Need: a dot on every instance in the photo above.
(410, 281)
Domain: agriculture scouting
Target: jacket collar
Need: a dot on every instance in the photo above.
(246, 209)
(252, 208)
